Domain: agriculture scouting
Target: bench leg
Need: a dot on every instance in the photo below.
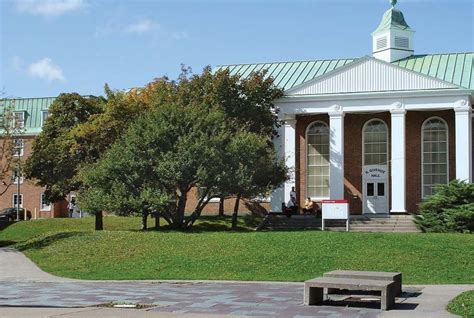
(398, 282)
(313, 295)
(387, 299)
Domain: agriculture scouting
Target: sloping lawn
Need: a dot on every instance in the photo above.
(70, 248)
(463, 305)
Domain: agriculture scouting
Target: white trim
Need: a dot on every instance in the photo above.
(363, 140)
(47, 207)
(306, 161)
(13, 200)
(423, 197)
(23, 113)
(375, 95)
(42, 117)
(22, 149)
(14, 178)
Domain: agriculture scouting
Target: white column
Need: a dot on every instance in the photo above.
(463, 123)
(285, 147)
(336, 153)
(290, 154)
(398, 160)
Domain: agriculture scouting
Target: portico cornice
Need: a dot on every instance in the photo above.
(377, 95)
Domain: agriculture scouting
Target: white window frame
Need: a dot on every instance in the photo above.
(307, 165)
(21, 149)
(423, 197)
(15, 178)
(42, 206)
(21, 200)
(44, 115)
(363, 140)
(22, 113)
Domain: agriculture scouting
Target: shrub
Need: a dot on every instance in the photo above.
(449, 209)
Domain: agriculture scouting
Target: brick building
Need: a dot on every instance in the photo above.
(30, 113)
(380, 131)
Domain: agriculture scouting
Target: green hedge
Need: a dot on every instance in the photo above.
(449, 209)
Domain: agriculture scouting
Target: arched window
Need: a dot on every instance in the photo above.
(375, 143)
(317, 163)
(434, 154)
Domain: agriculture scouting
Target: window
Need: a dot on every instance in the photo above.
(19, 119)
(317, 160)
(375, 142)
(44, 116)
(15, 200)
(16, 175)
(45, 205)
(434, 155)
(19, 146)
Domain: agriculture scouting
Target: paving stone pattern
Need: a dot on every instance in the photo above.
(263, 300)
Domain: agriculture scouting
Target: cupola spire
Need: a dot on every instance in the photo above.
(393, 38)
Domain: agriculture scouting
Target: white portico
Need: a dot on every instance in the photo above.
(370, 86)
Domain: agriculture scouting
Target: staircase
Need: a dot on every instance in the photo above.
(394, 223)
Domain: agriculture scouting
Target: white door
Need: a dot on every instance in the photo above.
(375, 197)
(375, 189)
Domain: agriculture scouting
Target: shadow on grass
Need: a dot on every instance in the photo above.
(44, 241)
(215, 223)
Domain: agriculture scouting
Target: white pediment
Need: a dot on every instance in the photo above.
(368, 74)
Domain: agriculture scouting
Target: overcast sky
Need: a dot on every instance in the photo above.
(53, 46)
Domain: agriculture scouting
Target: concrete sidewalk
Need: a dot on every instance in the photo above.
(27, 291)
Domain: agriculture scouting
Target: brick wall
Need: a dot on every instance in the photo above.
(31, 192)
(353, 125)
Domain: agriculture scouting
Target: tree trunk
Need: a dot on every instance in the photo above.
(99, 221)
(157, 221)
(236, 211)
(144, 221)
(221, 206)
(181, 206)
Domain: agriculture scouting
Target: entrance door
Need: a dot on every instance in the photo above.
(375, 189)
(375, 197)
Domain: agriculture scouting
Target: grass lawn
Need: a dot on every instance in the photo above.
(69, 247)
(463, 305)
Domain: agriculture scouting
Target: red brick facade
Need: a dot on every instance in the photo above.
(353, 125)
(31, 193)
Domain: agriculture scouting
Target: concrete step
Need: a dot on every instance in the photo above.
(357, 224)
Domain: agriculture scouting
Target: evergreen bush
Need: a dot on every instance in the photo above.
(449, 209)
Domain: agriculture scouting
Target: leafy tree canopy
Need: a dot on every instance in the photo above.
(192, 138)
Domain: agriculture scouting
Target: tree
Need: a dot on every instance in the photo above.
(55, 160)
(10, 132)
(186, 141)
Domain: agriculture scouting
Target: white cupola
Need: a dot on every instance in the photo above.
(393, 38)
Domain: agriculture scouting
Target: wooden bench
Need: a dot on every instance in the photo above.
(393, 276)
(314, 289)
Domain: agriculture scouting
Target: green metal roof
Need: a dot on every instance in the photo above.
(392, 19)
(456, 68)
(33, 108)
(288, 74)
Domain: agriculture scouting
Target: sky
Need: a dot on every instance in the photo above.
(50, 47)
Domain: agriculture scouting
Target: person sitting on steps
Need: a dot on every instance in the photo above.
(309, 206)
